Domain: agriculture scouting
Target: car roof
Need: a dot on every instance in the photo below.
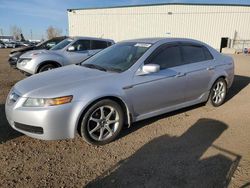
(155, 40)
(145, 40)
(92, 38)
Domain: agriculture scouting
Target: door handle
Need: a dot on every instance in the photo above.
(210, 68)
(180, 74)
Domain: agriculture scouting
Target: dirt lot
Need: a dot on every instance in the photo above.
(195, 147)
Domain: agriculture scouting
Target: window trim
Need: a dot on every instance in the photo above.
(178, 44)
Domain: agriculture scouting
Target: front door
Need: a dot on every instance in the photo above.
(80, 52)
(166, 88)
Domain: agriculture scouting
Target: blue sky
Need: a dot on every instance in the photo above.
(37, 15)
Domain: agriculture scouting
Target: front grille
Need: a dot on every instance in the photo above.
(29, 128)
(19, 60)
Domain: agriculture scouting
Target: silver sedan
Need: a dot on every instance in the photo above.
(127, 82)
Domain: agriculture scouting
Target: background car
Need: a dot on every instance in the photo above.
(70, 51)
(10, 44)
(127, 82)
(2, 45)
(15, 54)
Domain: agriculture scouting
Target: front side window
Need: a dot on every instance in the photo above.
(166, 57)
(98, 45)
(118, 57)
(81, 45)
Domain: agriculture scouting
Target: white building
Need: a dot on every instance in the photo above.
(205, 22)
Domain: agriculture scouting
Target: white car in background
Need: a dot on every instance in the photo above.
(72, 50)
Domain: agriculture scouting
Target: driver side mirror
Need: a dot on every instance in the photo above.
(148, 69)
(71, 48)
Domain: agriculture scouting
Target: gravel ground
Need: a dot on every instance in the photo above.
(195, 147)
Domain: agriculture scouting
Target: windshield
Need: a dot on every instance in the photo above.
(118, 57)
(62, 44)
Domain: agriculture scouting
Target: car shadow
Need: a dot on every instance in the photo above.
(170, 161)
(6, 132)
(139, 124)
(239, 83)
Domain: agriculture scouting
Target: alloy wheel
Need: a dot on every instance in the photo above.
(219, 92)
(103, 123)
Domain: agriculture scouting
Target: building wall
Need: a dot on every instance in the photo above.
(203, 22)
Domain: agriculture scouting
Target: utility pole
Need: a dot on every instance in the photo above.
(31, 34)
(1, 30)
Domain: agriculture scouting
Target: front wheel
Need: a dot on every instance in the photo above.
(218, 93)
(47, 67)
(102, 123)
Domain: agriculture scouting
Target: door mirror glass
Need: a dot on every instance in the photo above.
(148, 69)
(71, 48)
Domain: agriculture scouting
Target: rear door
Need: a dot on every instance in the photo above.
(81, 52)
(162, 89)
(199, 69)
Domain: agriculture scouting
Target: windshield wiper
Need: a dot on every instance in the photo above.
(93, 66)
(114, 69)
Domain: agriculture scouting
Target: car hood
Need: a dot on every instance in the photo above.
(23, 49)
(34, 53)
(59, 82)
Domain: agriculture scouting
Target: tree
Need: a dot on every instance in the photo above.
(16, 32)
(53, 32)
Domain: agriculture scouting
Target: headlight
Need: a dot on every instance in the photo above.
(25, 61)
(39, 102)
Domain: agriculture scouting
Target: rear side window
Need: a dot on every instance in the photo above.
(98, 44)
(82, 45)
(167, 57)
(208, 55)
(193, 54)
(109, 43)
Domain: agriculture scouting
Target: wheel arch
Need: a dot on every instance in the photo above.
(57, 64)
(117, 99)
(217, 78)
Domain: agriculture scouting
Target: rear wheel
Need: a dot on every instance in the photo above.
(218, 93)
(46, 67)
(102, 123)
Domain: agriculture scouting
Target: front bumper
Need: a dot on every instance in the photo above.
(29, 67)
(13, 58)
(46, 123)
(13, 61)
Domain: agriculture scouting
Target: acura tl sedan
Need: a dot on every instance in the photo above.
(127, 82)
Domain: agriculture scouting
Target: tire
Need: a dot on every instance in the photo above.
(46, 67)
(218, 93)
(109, 123)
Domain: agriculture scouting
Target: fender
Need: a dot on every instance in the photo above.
(90, 103)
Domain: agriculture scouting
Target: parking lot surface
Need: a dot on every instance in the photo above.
(199, 146)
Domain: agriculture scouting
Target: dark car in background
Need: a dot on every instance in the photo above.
(15, 54)
(2, 45)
